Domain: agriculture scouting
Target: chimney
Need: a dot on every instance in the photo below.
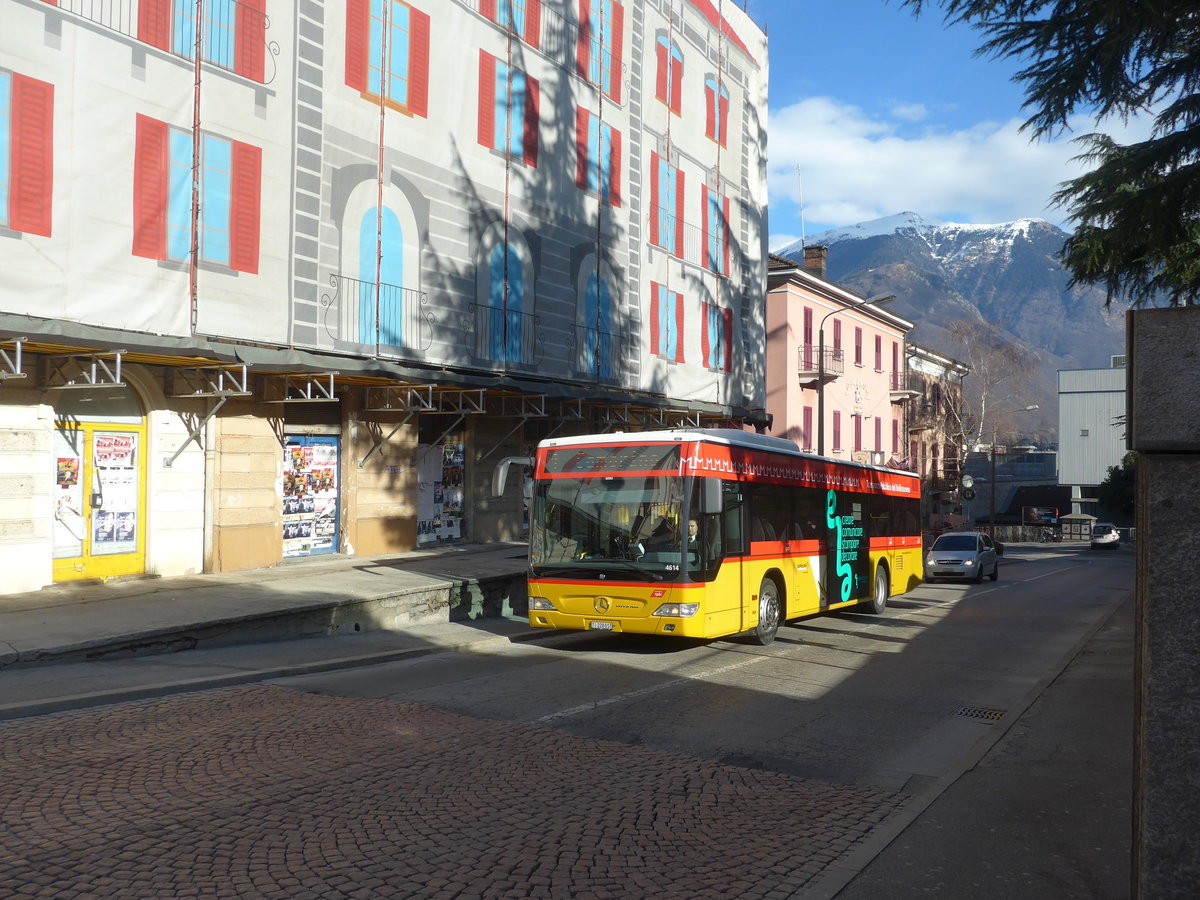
(814, 259)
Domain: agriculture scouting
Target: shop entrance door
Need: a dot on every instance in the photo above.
(99, 522)
(310, 495)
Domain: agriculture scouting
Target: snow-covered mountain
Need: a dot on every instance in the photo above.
(1007, 274)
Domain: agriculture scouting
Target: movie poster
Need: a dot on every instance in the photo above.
(114, 492)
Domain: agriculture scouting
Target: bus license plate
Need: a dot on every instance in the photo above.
(601, 626)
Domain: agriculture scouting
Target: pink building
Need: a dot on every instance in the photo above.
(861, 371)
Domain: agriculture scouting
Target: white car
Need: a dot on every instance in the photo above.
(962, 554)
(1105, 535)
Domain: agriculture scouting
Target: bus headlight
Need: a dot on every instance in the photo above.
(678, 610)
(540, 603)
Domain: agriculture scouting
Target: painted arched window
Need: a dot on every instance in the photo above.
(597, 331)
(390, 295)
(506, 290)
(669, 84)
(716, 100)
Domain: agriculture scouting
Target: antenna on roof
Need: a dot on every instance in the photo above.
(800, 182)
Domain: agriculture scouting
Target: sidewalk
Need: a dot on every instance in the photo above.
(314, 597)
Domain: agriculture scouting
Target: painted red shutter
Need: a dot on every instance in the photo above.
(727, 314)
(705, 326)
(726, 232)
(488, 8)
(250, 40)
(533, 106)
(154, 23)
(581, 147)
(664, 71)
(655, 202)
(655, 313)
(614, 170)
(617, 47)
(710, 112)
(31, 190)
(583, 42)
(358, 25)
(705, 215)
(680, 331)
(533, 22)
(487, 98)
(723, 103)
(418, 63)
(244, 208)
(150, 189)
(676, 85)
(679, 192)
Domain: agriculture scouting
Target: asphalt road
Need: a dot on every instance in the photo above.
(598, 766)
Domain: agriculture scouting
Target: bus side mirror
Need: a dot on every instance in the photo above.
(712, 495)
(500, 475)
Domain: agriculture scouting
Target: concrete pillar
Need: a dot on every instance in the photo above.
(1164, 428)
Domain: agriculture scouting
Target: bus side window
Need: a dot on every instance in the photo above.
(732, 517)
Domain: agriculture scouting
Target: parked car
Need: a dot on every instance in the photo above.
(962, 554)
(1105, 535)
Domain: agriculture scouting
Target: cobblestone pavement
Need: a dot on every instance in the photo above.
(265, 792)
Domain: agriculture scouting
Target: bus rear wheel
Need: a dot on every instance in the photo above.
(768, 613)
(878, 602)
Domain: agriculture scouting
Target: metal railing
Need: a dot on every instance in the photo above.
(809, 360)
(690, 242)
(598, 354)
(226, 25)
(392, 316)
(506, 336)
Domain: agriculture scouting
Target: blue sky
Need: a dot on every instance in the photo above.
(886, 113)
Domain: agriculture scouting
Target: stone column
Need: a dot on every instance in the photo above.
(1163, 371)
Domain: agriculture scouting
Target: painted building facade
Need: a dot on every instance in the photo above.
(861, 375)
(279, 279)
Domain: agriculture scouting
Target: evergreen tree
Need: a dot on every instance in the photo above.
(1137, 212)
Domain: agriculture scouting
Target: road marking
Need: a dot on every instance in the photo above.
(641, 692)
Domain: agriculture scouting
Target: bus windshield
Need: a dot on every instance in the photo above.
(621, 526)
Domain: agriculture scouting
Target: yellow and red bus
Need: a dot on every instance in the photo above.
(712, 532)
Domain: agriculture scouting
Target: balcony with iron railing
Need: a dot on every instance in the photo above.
(708, 248)
(598, 355)
(810, 367)
(233, 34)
(391, 317)
(506, 337)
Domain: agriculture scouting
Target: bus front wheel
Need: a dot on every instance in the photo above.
(768, 613)
(878, 602)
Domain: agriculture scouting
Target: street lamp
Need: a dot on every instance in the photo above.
(992, 516)
(870, 301)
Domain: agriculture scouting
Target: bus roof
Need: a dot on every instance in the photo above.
(730, 436)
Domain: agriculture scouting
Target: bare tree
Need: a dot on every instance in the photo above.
(1002, 373)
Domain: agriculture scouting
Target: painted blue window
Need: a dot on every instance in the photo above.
(668, 323)
(219, 30)
(216, 196)
(510, 110)
(601, 56)
(716, 234)
(668, 193)
(511, 15)
(597, 338)
(179, 195)
(505, 320)
(600, 156)
(398, 45)
(391, 278)
(715, 323)
(216, 199)
(5, 143)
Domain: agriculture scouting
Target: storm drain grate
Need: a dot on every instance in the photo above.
(981, 712)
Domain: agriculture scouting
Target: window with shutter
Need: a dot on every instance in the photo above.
(26, 153)
(387, 54)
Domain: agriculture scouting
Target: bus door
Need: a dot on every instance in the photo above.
(847, 573)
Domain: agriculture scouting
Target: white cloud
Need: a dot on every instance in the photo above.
(856, 167)
(910, 112)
